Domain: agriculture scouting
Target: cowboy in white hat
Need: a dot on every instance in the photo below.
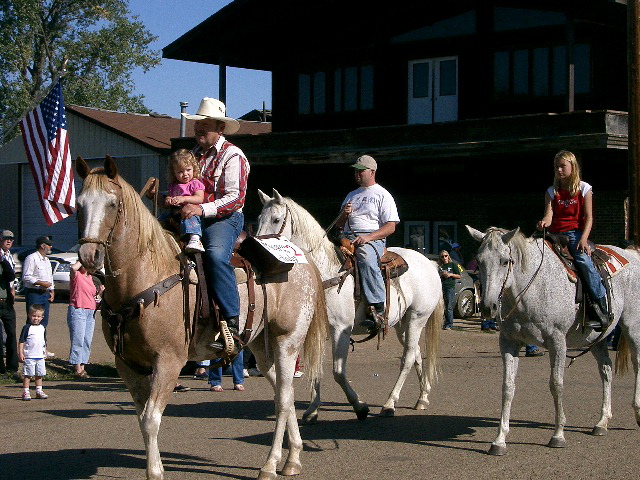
(225, 170)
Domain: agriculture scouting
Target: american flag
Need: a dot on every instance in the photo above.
(44, 131)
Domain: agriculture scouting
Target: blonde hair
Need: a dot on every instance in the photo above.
(574, 179)
(182, 158)
(36, 308)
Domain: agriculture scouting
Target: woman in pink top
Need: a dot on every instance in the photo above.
(81, 317)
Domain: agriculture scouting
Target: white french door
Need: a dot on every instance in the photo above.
(433, 90)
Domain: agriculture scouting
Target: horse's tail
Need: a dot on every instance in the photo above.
(315, 340)
(432, 342)
(622, 356)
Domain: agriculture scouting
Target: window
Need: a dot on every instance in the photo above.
(352, 88)
(540, 71)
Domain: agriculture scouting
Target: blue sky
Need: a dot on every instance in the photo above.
(165, 86)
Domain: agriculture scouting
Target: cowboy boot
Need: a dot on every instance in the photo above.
(233, 326)
(599, 320)
(374, 318)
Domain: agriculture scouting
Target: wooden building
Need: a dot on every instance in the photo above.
(463, 104)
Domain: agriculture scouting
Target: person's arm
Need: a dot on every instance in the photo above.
(548, 213)
(588, 223)
(21, 352)
(196, 199)
(451, 274)
(383, 232)
(347, 208)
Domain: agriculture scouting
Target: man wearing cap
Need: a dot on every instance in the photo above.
(369, 215)
(7, 297)
(225, 170)
(37, 277)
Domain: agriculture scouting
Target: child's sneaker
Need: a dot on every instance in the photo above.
(40, 394)
(26, 396)
(194, 245)
(298, 374)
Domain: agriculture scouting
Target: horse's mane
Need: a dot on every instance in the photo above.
(304, 225)
(520, 243)
(152, 238)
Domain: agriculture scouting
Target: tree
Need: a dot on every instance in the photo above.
(95, 43)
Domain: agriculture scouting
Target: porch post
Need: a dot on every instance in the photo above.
(633, 135)
(222, 83)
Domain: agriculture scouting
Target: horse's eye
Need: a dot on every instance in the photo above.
(276, 220)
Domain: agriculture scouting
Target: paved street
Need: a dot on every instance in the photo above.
(87, 429)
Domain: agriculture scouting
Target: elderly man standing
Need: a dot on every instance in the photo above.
(7, 312)
(37, 277)
(369, 215)
(225, 170)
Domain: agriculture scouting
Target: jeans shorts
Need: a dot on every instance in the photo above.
(34, 367)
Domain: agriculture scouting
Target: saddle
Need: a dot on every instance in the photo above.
(607, 262)
(392, 265)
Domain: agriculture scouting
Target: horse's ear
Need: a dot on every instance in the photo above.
(264, 198)
(476, 234)
(277, 197)
(110, 167)
(81, 167)
(507, 237)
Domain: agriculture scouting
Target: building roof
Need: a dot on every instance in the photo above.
(275, 32)
(153, 131)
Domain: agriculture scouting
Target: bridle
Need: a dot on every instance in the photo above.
(107, 243)
(518, 297)
(287, 214)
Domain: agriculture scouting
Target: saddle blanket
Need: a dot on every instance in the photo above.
(283, 249)
(615, 263)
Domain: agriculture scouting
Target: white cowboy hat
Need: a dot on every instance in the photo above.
(214, 108)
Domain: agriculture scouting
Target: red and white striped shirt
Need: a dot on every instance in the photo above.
(225, 171)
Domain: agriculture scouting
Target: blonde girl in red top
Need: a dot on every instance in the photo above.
(569, 212)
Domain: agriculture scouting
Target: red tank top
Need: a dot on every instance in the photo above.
(568, 211)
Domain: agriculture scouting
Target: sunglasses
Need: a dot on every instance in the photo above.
(8, 238)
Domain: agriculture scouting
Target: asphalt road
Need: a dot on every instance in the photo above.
(87, 429)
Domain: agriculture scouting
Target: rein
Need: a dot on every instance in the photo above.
(518, 297)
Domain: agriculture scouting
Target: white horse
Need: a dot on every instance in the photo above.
(527, 287)
(415, 302)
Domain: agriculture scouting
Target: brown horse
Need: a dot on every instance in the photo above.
(153, 340)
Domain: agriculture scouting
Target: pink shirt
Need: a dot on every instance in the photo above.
(82, 291)
(185, 189)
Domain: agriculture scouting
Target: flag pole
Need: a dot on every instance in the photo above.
(34, 104)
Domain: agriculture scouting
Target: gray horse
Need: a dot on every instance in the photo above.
(526, 287)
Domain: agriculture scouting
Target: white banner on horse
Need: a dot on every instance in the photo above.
(283, 249)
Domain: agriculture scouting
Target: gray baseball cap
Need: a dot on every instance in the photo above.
(7, 234)
(365, 162)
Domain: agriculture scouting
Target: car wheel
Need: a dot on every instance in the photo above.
(465, 304)
(19, 286)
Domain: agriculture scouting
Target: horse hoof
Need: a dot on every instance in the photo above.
(421, 405)
(556, 442)
(387, 412)
(291, 468)
(267, 475)
(599, 431)
(362, 413)
(310, 419)
(497, 450)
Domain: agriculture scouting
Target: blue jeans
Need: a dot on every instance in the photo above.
(33, 296)
(190, 226)
(219, 236)
(449, 295)
(81, 322)
(368, 259)
(237, 366)
(584, 264)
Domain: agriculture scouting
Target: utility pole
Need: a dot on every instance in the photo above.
(633, 135)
